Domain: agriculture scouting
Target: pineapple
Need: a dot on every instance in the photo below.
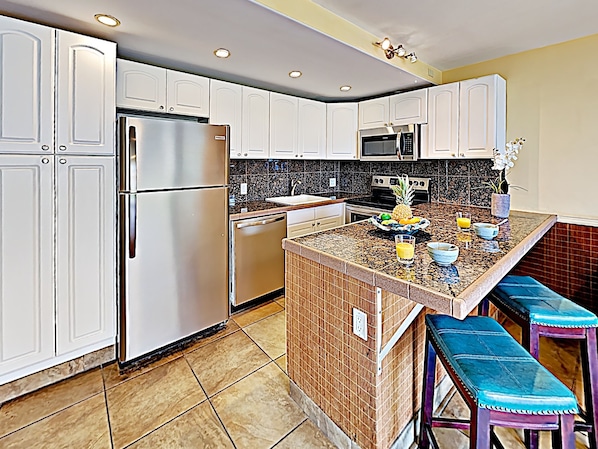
(404, 193)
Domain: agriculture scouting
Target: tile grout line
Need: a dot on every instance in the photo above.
(290, 432)
(211, 405)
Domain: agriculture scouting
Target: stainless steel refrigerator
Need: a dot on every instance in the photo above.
(173, 222)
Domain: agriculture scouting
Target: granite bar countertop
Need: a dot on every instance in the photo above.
(368, 254)
(260, 208)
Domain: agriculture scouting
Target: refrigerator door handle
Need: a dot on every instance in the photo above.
(133, 158)
(132, 226)
(259, 222)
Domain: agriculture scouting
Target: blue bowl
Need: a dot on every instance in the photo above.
(443, 253)
(485, 230)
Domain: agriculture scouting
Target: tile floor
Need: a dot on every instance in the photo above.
(229, 390)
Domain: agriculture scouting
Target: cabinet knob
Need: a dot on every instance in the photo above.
(171, 109)
(62, 161)
(45, 147)
(161, 108)
(296, 155)
(301, 156)
(238, 154)
(245, 154)
(313, 224)
(45, 160)
(453, 154)
(462, 154)
(62, 147)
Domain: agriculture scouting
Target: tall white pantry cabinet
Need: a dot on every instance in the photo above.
(57, 197)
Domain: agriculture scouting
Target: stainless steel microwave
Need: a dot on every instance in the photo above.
(392, 143)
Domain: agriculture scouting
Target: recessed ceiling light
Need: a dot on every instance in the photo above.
(345, 88)
(222, 53)
(295, 74)
(107, 20)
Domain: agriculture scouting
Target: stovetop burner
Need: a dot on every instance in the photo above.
(383, 197)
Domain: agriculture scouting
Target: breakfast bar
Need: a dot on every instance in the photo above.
(366, 393)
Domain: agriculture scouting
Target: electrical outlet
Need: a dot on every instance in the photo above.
(360, 324)
(243, 188)
(332, 182)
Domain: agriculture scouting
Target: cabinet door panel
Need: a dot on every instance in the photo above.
(283, 125)
(328, 223)
(255, 123)
(85, 111)
(443, 123)
(27, 87)
(341, 131)
(85, 269)
(373, 113)
(297, 230)
(140, 86)
(409, 107)
(27, 260)
(187, 94)
(225, 109)
(311, 143)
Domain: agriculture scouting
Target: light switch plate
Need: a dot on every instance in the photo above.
(243, 188)
(360, 324)
(332, 182)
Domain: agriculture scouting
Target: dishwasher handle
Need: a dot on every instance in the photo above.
(259, 222)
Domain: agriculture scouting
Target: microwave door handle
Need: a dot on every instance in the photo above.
(399, 145)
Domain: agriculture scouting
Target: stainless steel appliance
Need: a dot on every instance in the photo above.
(391, 143)
(173, 225)
(382, 199)
(257, 257)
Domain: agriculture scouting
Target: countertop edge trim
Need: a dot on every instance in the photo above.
(466, 302)
(281, 208)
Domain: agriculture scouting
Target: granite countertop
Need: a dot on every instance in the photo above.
(260, 208)
(368, 254)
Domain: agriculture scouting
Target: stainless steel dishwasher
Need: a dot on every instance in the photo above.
(257, 257)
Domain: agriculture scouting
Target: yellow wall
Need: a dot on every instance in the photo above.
(552, 101)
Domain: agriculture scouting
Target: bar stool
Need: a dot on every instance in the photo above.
(502, 384)
(541, 311)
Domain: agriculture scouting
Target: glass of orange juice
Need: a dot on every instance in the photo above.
(405, 245)
(463, 221)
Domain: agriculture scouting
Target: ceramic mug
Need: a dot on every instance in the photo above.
(485, 230)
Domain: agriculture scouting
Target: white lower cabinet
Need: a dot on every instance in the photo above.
(313, 219)
(57, 295)
(85, 248)
(27, 261)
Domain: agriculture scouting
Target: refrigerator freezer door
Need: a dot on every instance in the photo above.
(163, 154)
(174, 264)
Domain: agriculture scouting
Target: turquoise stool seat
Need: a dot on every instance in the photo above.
(541, 312)
(537, 304)
(500, 381)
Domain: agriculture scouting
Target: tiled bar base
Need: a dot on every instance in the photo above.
(338, 370)
(56, 373)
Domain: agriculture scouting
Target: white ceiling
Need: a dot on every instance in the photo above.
(265, 46)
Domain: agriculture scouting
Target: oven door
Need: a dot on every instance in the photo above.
(355, 213)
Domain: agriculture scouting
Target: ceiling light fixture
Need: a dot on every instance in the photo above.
(107, 20)
(295, 73)
(345, 88)
(222, 53)
(391, 51)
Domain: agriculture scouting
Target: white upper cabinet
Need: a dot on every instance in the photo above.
(255, 123)
(85, 252)
(226, 100)
(442, 139)
(27, 87)
(27, 260)
(187, 94)
(311, 133)
(341, 132)
(140, 86)
(465, 119)
(482, 119)
(409, 107)
(85, 104)
(150, 88)
(283, 125)
(374, 113)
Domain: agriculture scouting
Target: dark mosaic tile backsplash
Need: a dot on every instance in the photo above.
(454, 182)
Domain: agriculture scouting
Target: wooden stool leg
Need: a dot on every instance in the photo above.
(479, 429)
(483, 307)
(589, 362)
(427, 395)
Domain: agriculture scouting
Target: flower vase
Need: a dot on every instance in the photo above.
(501, 205)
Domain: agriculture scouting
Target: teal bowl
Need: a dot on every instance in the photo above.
(443, 253)
(486, 231)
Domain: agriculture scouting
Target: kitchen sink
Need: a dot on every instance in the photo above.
(297, 199)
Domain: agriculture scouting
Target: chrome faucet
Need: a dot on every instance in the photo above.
(294, 186)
